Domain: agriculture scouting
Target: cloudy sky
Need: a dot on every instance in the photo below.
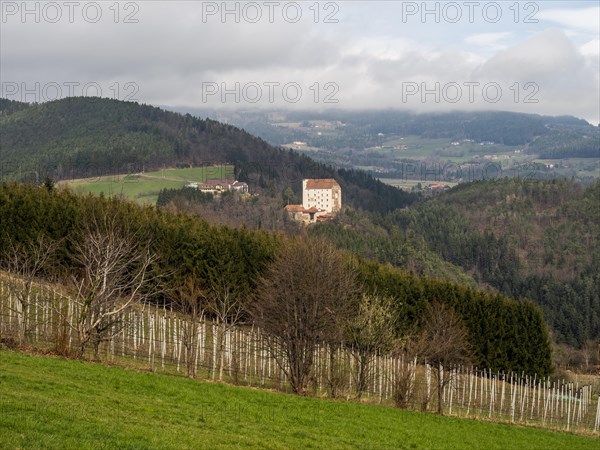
(539, 57)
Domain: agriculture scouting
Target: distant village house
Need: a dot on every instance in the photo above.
(435, 188)
(217, 186)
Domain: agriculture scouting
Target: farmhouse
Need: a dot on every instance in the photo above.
(435, 188)
(217, 185)
(321, 200)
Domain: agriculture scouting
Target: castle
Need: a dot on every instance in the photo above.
(321, 200)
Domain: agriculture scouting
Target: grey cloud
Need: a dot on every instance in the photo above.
(171, 52)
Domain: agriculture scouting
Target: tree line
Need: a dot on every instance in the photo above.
(229, 268)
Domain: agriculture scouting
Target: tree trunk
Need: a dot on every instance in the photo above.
(440, 389)
(362, 379)
(84, 337)
(221, 350)
(189, 343)
(334, 380)
(97, 349)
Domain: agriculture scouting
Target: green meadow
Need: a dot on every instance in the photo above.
(50, 402)
(143, 188)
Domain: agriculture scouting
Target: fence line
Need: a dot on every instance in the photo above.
(153, 338)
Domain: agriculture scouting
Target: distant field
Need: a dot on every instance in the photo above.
(144, 187)
(49, 402)
(582, 167)
(423, 148)
(407, 185)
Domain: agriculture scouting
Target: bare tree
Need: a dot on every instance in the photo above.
(190, 299)
(370, 331)
(226, 303)
(114, 274)
(336, 373)
(443, 343)
(404, 377)
(589, 352)
(25, 264)
(301, 300)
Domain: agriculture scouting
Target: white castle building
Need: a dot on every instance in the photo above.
(323, 194)
(321, 200)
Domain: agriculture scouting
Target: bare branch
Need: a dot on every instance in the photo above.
(301, 300)
(114, 273)
(26, 263)
(443, 343)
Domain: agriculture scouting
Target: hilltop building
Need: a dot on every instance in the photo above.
(321, 200)
(323, 194)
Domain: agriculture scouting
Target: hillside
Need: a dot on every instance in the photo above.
(51, 402)
(372, 127)
(85, 137)
(504, 334)
(395, 144)
(144, 188)
(524, 238)
(549, 235)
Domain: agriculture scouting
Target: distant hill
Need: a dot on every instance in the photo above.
(554, 137)
(83, 137)
(547, 245)
(524, 238)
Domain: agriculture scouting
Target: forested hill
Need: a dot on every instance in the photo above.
(83, 137)
(548, 246)
(526, 238)
(545, 136)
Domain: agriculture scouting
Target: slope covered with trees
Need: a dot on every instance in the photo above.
(86, 137)
(524, 238)
(505, 334)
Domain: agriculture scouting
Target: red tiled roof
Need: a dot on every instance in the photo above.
(312, 210)
(300, 208)
(323, 183)
(324, 217)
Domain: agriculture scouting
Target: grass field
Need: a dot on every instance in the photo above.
(144, 187)
(418, 146)
(407, 185)
(49, 402)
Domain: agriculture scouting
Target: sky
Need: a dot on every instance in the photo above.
(536, 57)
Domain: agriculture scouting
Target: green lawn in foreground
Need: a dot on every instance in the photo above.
(48, 402)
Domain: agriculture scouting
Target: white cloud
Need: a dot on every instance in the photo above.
(591, 48)
(540, 56)
(488, 39)
(584, 20)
